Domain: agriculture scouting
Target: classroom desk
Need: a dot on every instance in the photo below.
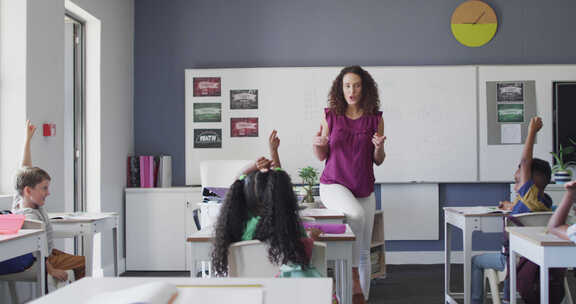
(338, 249)
(87, 225)
(468, 220)
(23, 242)
(323, 215)
(276, 291)
(544, 249)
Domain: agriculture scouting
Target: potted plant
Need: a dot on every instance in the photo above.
(309, 176)
(561, 172)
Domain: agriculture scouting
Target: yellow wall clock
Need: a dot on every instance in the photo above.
(474, 23)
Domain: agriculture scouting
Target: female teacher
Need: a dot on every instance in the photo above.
(351, 139)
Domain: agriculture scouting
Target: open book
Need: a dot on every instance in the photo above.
(167, 293)
(485, 210)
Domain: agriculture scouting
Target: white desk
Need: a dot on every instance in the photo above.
(276, 290)
(26, 241)
(338, 249)
(323, 215)
(468, 220)
(87, 225)
(544, 249)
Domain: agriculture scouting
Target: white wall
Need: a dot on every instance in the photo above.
(116, 108)
(32, 85)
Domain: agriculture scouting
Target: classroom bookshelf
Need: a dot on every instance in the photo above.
(378, 247)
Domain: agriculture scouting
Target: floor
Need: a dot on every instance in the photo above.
(404, 284)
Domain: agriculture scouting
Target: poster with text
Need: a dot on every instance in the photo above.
(513, 112)
(207, 112)
(207, 86)
(510, 92)
(207, 138)
(244, 127)
(243, 99)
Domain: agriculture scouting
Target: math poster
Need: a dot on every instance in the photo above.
(243, 99)
(207, 138)
(244, 127)
(207, 86)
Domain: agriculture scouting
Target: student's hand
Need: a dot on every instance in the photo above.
(263, 164)
(535, 125)
(378, 141)
(58, 274)
(320, 140)
(571, 186)
(506, 205)
(313, 233)
(30, 129)
(274, 141)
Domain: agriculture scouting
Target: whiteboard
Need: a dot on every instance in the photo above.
(499, 162)
(430, 116)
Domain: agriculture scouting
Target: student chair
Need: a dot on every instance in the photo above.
(250, 259)
(495, 277)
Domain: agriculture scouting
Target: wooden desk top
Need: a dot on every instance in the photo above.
(539, 236)
(475, 211)
(206, 235)
(322, 213)
(22, 233)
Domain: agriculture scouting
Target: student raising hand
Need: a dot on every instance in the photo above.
(274, 143)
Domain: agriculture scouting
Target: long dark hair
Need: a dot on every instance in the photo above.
(370, 101)
(269, 195)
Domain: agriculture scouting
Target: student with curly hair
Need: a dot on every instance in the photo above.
(351, 140)
(261, 205)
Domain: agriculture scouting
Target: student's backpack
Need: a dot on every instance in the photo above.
(528, 279)
(528, 282)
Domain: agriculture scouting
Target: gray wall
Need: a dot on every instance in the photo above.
(173, 35)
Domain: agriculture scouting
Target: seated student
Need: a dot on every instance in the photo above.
(557, 224)
(32, 189)
(261, 205)
(532, 176)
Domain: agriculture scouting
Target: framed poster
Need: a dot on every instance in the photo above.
(510, 112)
(244, 127)
(510, 92)
(207, 86)
(207, 138)
(207, 112)
(243, 99)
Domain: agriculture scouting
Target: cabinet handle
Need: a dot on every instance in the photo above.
(187, 204)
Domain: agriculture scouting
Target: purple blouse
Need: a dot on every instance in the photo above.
(351, 155)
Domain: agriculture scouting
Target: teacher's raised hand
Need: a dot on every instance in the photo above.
(319, 140)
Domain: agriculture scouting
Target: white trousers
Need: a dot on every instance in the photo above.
(360, 216)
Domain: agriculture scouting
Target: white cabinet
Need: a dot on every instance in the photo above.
(157, 223)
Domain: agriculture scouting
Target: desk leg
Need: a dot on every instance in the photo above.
(40, 275)
(115, 245)
(447, 258)
(544, 282)
(467, 248)
(512, 277)
(89, 245)
(348, 280)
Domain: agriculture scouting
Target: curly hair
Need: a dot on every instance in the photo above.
(369, 103)
(269, 195)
